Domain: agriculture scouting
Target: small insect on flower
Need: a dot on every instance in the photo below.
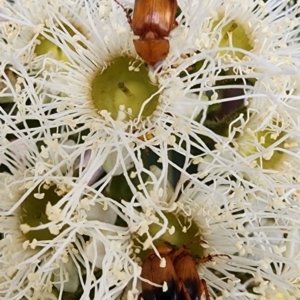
(185, 265)
(152, 21)
(159, 271)
(175, 271)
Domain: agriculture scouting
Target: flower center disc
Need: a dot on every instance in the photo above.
(124, 92)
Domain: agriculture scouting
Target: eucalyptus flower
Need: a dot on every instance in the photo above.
(75, 88)
(47, 214)
(262, 153)
(240, 248)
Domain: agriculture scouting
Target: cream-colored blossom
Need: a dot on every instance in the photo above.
(45, 239)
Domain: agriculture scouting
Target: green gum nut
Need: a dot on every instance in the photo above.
(234, 34)
(45, 46)
(273, 159)
(181, 233)
(123, 91)
(33, 212)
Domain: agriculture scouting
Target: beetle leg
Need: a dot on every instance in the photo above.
(210, 258)
(182, 288)
(202, 284)
(203, 288)
(125, 11)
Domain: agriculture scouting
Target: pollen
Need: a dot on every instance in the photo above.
(165, 286)
(163, 263)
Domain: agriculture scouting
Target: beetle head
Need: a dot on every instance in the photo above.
(152, 50)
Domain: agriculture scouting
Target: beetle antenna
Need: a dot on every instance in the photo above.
(125, 11)
(203, 288)
(210, 257)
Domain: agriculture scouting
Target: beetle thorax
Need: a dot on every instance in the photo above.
(150, 35)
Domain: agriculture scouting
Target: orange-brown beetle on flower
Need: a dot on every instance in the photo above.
(185, 265)
(175, 271)
(152, 21)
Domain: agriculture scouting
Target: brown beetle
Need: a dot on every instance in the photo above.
(179, 275)
(185, 265)
(152, 21)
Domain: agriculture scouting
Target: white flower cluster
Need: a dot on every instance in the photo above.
(90, 184)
